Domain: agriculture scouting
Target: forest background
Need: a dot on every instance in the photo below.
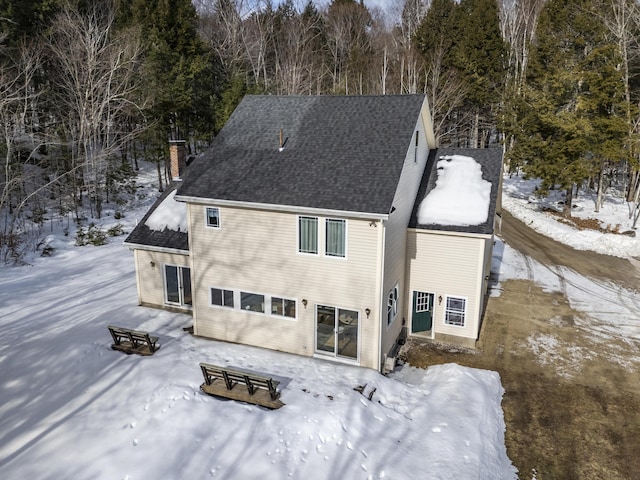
(89, 87)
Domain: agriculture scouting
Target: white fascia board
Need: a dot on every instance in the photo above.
(150, 248)
(283, 208)
(452, 233)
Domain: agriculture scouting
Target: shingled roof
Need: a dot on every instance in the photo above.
(142, 235)
(490, 159)
(342, 153)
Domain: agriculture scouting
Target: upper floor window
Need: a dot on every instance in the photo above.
(308, 235)
(392, 305)
(455, 311)
(213, 217)
(335, 237)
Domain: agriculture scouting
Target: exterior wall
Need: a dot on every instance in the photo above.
(396, 228)
(150, 278)
(446, 264)
(256, 251)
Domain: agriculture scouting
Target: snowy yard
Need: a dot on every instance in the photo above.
(73, 408)
(70, 407)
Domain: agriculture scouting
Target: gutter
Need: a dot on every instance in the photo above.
(151, 248)
(282, 208)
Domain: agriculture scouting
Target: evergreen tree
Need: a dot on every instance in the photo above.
(179, 73)
(480, 55)
(571, 114)
(435, 35)
(25, 18)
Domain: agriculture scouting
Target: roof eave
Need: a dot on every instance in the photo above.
(282, 208)
(153, 248)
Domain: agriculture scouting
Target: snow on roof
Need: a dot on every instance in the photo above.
(461, 196)
(169, 214)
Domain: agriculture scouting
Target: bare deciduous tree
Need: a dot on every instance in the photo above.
(96, 91)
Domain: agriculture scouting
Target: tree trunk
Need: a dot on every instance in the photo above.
(568, 201)
(160, 189)
(600, 196)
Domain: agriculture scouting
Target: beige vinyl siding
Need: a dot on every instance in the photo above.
(396, 231)
(447, 265)
(150, 279)
(256, 251)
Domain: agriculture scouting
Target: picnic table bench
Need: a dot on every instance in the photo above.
(240, 385)
(133, 341)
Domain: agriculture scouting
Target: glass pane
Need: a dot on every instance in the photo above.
(213, 217)
(335, 238)
(290, 308)
(455, 311)
(171, 283)
(423, 302)
(228, 298)
(186, 285)
(216, 296)
(347, 333)
(308, 235)
(325, 328)
(252, 302)
(276, 306)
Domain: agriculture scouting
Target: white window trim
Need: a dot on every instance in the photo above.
(395, 291)
(321, 240)
(324, 237)
(180, 286)
(206, 218)
(444, 318)
(318, 236)
(266, 305)
(237, 303)
(326, 355)
(226, 307)
(413, 292)
(282, 317)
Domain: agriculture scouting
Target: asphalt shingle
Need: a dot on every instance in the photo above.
(143, 235)
(340, 152)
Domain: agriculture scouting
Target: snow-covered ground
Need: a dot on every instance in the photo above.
(520, 201)
(70, 407)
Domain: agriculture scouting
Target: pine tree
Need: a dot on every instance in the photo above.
(571, 113)
(178, 67)
(480, 55)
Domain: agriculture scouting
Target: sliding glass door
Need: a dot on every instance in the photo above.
(337, 331)
(177, 285)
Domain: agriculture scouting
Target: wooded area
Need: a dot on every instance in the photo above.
(89, 87)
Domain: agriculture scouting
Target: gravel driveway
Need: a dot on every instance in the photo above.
(572, 397)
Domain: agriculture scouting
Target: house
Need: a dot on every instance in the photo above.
(308, 228)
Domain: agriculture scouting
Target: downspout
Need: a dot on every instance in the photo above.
(382, 243)
(194, 294)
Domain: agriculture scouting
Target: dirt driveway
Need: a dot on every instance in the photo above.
(572, 396)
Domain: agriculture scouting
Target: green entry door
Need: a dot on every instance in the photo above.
(422, 315)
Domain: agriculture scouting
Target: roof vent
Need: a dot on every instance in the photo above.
(283, 141)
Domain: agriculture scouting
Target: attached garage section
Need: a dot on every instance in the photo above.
(446, 284)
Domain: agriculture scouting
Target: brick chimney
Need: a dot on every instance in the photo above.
(178, 155)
